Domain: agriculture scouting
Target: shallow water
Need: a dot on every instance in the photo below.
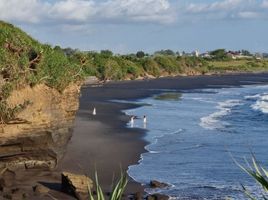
(191, 139)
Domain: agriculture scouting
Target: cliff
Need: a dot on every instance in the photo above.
(39, 92)
(39, 134)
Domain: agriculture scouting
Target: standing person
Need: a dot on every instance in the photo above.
(132, 121)
(94, 111)
(144, 119)
(144, 122)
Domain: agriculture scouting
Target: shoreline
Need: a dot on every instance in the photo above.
(104, 142)
(128, 143)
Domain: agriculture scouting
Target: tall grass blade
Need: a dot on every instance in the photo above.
(259, 174)
(117, 191)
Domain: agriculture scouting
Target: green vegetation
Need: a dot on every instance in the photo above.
(117, 191)
(107, 66)
(24, 61)
(219, 54)
(168, 97)
(259, 174)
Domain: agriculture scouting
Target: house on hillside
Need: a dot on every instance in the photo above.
(205, 55)
(237, 55)
(195, 53)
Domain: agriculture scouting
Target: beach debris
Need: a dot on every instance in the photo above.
(76, 185)
(158, 184)
(94, 111)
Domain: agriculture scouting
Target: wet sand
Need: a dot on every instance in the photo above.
(104, 142)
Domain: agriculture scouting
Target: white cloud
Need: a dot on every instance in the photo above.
(215, 6)
(87, 11)
(240, 9)
(249, 15)
(22, 10)
(158, 11)
(79, 13)
(265, 4)
(77, 10)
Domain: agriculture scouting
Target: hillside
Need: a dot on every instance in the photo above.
(26, 62)
(107, 66)
(39, 98)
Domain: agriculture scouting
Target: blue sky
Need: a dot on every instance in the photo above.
(126, 26)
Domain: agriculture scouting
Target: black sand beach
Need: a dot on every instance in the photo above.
(103, 142)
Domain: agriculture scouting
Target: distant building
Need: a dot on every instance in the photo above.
(237, 55)
(205, 55)
(196, 53)
(258, 56)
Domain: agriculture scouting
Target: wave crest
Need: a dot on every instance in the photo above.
(212, 121)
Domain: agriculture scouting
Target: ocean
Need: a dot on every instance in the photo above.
(193, 136)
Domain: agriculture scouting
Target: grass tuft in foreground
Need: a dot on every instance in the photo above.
(117, 191)
(260, 175)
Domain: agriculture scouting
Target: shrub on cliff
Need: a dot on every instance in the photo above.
(24, 61)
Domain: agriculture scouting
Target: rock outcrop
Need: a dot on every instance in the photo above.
(76, 185)
(40, 133)
(157, 184)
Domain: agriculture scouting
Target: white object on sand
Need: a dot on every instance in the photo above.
(94, 111)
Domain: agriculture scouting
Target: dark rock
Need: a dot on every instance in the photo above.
(40, 190)
(15, 190)
(108, 194)
(76, 185)
(17, 194)
(7, 196)
(138, 196)
(157, 197)
(157, 184)
(2, 184)
(7, 179)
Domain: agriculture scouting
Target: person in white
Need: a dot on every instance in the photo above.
(132, 120)
(144, 119)
(94, 111)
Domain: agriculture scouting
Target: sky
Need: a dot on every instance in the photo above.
(127, 26)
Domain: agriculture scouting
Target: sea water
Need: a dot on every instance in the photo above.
(194, 139)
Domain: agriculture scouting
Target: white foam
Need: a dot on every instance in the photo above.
(264, 97)
(256, 96)
(261, 106)
(212, 121)
(261, 103)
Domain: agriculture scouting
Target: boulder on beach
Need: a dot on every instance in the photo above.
(157, 197)
(76, 185)
(157, 184)
(40, 190)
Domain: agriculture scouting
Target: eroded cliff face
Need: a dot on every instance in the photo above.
(39, 135)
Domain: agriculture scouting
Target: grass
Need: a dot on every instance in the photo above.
(117, 191)
(168, 97)
(26, 62)
(259, 174)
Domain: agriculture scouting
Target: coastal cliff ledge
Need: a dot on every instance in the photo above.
(37, 138)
